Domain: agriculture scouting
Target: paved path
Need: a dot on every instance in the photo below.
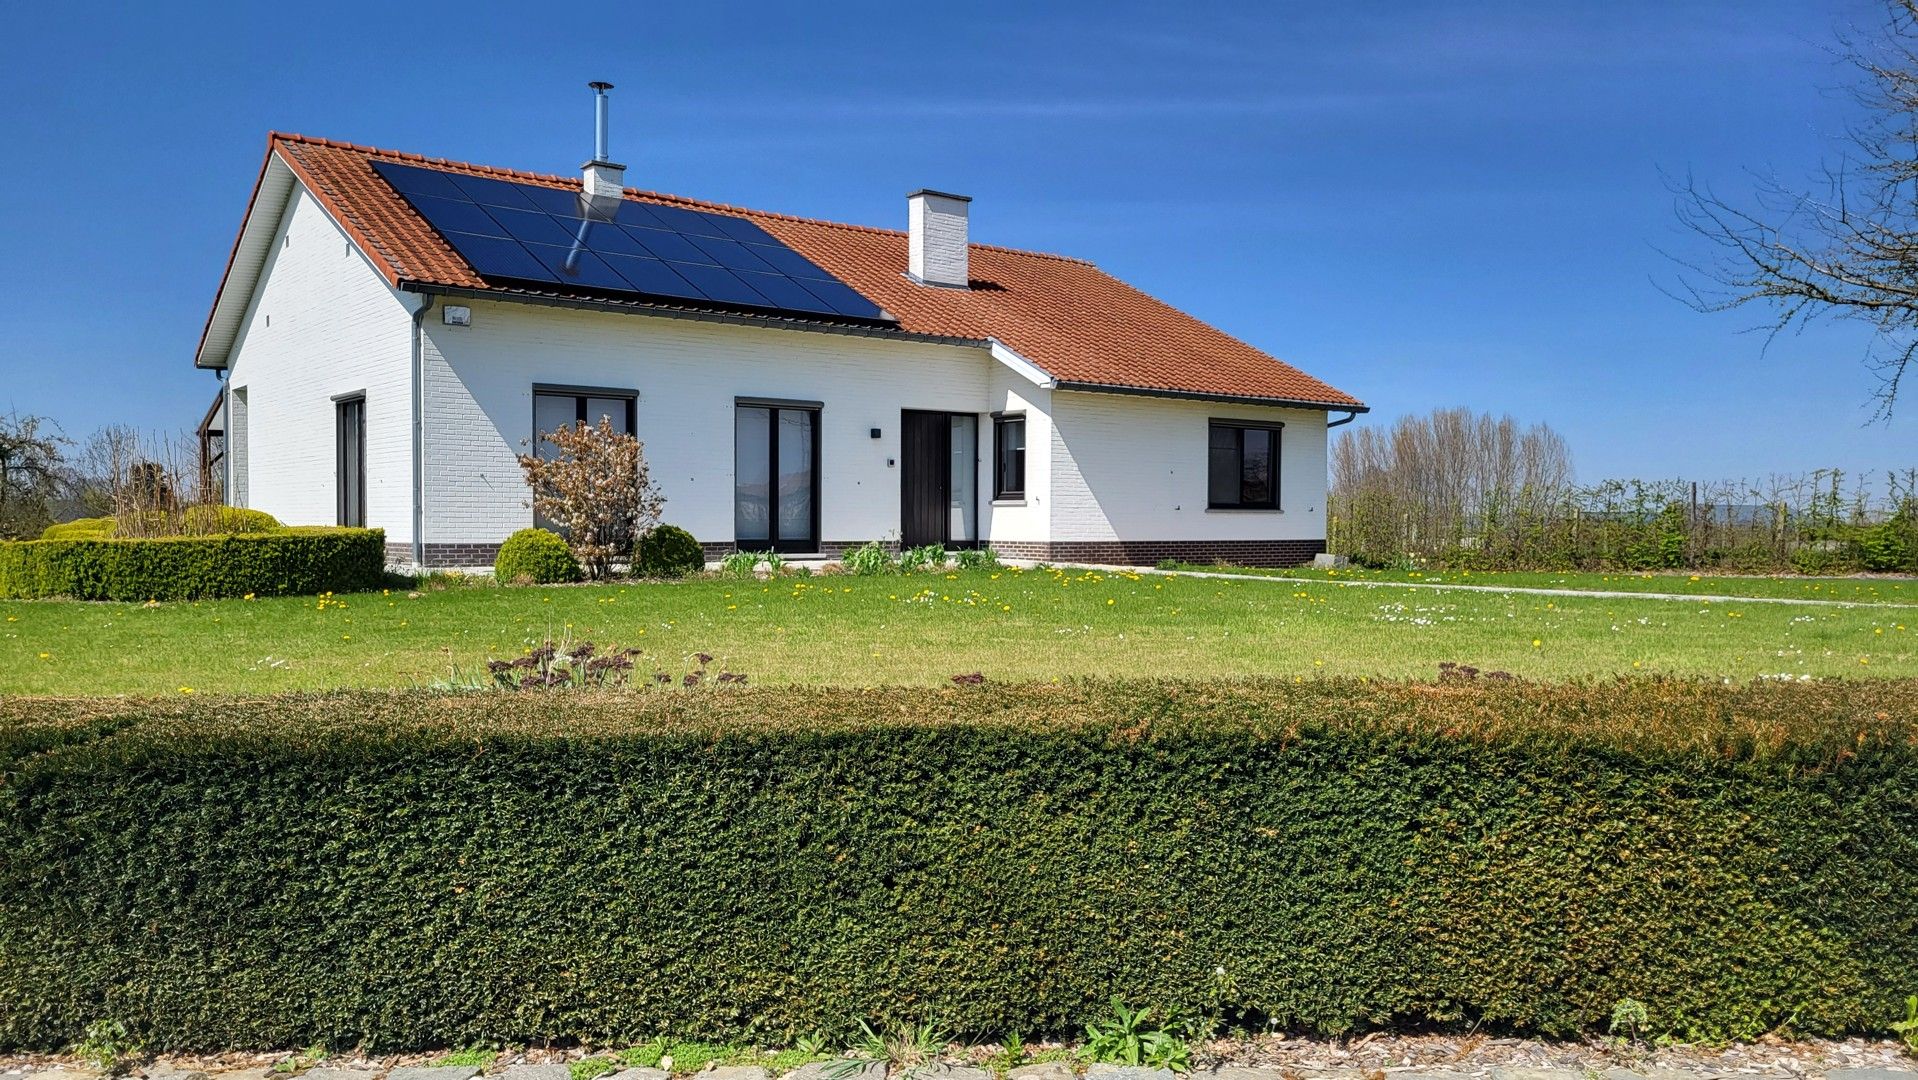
(1528, 590)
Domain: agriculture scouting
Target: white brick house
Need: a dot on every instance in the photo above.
(373, 373)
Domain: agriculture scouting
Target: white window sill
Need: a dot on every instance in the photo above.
(1008, 502)
(1243, 510)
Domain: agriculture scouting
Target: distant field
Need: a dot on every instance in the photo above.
(924, 629)
(1856, 590)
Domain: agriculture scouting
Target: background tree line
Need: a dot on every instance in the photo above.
(145, 480)
(1455, 488)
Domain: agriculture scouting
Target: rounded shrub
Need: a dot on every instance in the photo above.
(98, 528)
(231, 520)
(669, 551)
(535, 557)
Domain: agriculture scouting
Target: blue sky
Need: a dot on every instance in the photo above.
(1424, 204)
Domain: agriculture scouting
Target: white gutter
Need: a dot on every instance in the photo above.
(419, 429)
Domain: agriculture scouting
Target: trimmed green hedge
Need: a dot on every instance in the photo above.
(96, 528)
(413, 870)
(292, 561)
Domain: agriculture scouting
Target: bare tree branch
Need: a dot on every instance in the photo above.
(1848, 249)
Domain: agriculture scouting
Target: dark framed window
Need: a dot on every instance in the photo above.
(349, 426)
(775, 475)
(1243, 467)
(555, 407)
(1009, 456)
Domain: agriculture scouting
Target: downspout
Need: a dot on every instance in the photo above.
(419, 429)
(1349, 417)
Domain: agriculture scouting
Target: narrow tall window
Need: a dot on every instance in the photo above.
(350, 462)
(1243, 466)
(1008, 457)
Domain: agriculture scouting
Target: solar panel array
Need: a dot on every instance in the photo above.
(546, 236)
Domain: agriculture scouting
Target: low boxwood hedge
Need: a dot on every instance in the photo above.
(411, 870)
(291, 561)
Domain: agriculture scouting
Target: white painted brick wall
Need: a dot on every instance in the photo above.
(1134, 468)
(236, 446)
(479, 409)
(323, 323)
(1012, 392)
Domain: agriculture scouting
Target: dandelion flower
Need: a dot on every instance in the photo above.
(1536, 643)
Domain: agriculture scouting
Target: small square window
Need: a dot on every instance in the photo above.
(1243, 466)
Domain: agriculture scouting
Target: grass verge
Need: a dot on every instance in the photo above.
(1010, 625)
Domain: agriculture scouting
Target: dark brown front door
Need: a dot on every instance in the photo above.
(923, 477)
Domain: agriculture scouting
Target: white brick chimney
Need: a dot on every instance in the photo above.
(938, 244)
(604, 180)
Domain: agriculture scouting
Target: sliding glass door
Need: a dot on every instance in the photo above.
(776, 477)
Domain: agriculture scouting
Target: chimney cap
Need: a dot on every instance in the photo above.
(940, 194)
(599, 85)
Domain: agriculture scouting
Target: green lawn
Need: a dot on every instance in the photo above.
(1008, 624)
(1855, 590)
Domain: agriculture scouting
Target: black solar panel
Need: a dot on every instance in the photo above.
(527, 233)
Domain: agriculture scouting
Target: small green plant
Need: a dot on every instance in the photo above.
(775, 562)
(691, 1057)
(781, 1062)
(644, 1056)
(302, 1060)
(739, 564)
(588, 1068)
(1630, 1018)
(1011, 1055)
(924, 557)
(907, 1048)
(977, 559)
(535, 557)
(867, 560)
(1168, 564)
(475, 1057)
(814, 1045)
(1130, 1038)
(108, 1046)
(1907, 1029)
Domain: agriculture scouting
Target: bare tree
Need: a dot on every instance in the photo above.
(1848, 247)
(33, 473)
(1448, 479)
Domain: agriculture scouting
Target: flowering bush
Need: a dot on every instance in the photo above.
(595, 490)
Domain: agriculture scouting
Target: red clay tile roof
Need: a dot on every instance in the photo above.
(1078, 323)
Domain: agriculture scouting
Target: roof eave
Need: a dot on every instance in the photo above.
(1224, 399)
(200, 352)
